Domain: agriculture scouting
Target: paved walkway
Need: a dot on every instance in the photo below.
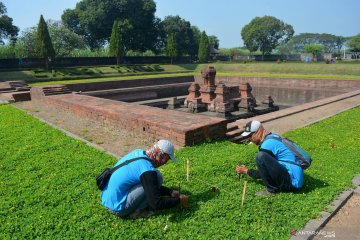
(301, 119)
(345, 223)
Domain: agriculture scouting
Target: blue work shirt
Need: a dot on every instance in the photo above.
(122, 180)
(281, 152)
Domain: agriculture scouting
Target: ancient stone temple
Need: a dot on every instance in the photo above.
(218, 98)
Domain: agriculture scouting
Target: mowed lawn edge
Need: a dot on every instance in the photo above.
(48, 185)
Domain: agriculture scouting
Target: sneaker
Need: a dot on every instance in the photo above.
(264, 193)
(141, 214)
(146, 213)
(134, 215)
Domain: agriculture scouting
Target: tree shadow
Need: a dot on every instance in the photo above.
(145, 68)
(189, 66)
(11, 75)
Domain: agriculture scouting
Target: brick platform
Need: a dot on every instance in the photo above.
(183, 129)
(236, 128)
(117, 84)
(292, 91)
(14, 91)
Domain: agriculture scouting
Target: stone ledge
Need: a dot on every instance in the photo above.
(183, 129)
(293, 110)
(315, 225)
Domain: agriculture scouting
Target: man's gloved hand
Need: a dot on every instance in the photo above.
(175, 194)
(184, 201)
(241, 169)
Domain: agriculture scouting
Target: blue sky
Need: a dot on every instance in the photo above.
(225, 18)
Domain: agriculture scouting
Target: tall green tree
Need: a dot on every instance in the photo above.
(196, 36)
(64, 41)
(186, 41)
(265, 34)
(315, 49)
(214, 42)
(119, 40)
(172, 47)
(7, 29)
(43, 45)
(93, 19)
(204, 48)
(354, 43)
(331, 43)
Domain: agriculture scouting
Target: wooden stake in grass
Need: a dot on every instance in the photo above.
(187, 170)
(243, 195)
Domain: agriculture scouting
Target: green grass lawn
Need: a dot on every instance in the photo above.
(350, 71)
(48, 185)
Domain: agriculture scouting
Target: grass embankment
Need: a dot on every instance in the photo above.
(93, 73)
(48, 185)
(349, 71)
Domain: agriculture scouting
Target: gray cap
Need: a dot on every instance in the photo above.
(251, 127)
(167, 147)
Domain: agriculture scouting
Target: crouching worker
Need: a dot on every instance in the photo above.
(135, 189)
(276, 163)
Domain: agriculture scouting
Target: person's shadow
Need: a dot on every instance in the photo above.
(178, 214)
(311, 184)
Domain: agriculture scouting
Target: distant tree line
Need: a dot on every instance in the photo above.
(122, 28)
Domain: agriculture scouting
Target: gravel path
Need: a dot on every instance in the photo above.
(116, 141)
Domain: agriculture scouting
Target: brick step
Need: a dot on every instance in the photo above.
(6, 90)
(233, 133)
(16, 84)
(56, 93)
(237, 139)
(23, 88)
(56, 90)
(231, 126)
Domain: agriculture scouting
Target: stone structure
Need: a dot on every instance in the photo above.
(183, 129)
(14, 91)
(218, 98)
(247, 99)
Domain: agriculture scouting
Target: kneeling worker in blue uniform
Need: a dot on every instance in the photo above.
(276, 163)
(135, 189)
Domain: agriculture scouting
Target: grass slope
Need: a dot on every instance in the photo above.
(345, 71)
(48, 190)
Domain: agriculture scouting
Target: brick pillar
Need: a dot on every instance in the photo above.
(247, 99)
(193, 93)
(207, 90)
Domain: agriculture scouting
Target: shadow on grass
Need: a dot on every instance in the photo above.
(188, 66)
(12, 75)
(311, 184)
(145, 68)
(178, 214)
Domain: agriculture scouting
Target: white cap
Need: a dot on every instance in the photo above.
(167, 147)
(251, 127)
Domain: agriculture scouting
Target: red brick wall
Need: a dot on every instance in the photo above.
(291, 91)
(183, 129)
(96, 86)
